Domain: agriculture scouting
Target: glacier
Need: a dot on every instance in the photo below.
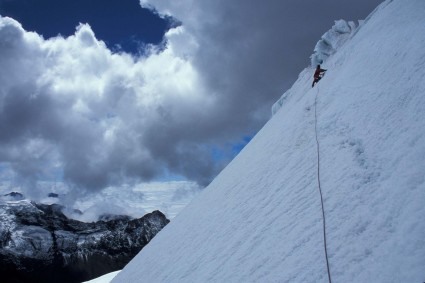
(260, 219)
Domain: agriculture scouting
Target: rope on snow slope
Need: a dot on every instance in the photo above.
(320, 188)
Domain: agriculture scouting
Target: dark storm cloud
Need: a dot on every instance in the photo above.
(251, 51)
(102, 119)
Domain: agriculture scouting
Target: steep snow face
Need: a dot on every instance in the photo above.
(260, 219)
(332, 40)
(104, 279)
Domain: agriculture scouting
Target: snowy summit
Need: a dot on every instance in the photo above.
(261, 220)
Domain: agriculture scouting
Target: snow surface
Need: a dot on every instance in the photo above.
(104, 279)
(331, 41)
(260, 219)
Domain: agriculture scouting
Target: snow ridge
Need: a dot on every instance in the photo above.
(332, 40)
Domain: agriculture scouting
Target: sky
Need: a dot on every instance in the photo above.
(123, 25)
(100, 94)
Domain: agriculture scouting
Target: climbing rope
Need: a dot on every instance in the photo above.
(320, 188)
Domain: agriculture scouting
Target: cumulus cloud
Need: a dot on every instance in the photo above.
(72, 109)
(69, 105)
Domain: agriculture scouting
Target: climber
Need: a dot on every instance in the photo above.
(318, 74)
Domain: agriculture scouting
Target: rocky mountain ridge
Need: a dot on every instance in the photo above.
(38, 243)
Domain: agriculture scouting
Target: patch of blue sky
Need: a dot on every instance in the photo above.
(122, 24)
(230, 150)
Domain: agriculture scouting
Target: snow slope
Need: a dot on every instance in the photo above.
(104, 279)
(260, 219)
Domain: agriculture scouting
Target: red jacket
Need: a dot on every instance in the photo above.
(318, 72)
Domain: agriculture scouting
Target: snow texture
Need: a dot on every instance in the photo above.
(260, 219)
(331, 41)
(104, 279)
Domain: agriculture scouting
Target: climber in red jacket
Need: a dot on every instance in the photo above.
(318, 74)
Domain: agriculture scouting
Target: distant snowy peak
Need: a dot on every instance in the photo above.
(331, 40)
(38, 243)
(13, 196)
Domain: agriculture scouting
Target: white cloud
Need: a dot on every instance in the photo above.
(94, 108)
